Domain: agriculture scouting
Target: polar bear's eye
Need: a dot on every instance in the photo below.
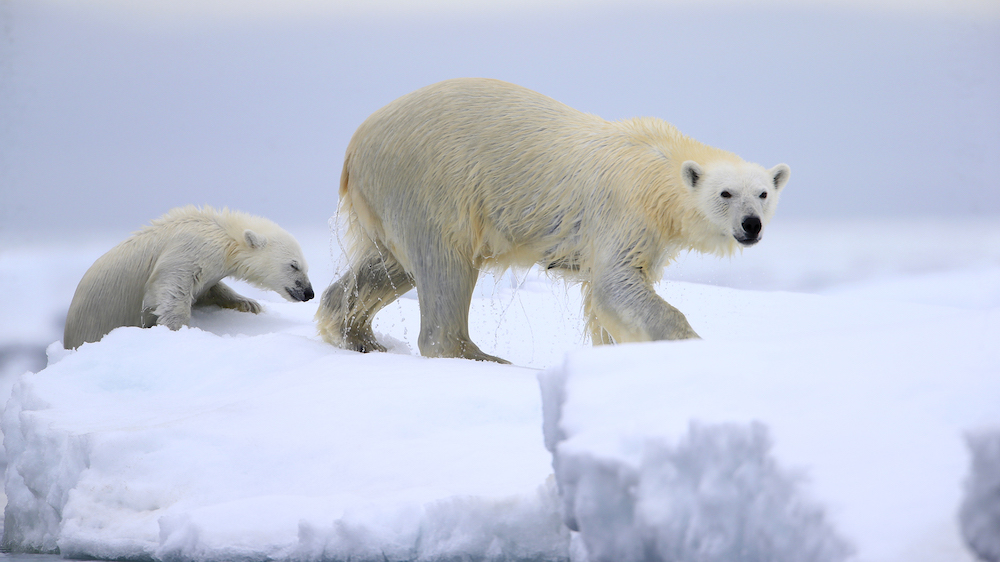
(726, 195)
(294, 266)
(763, 195)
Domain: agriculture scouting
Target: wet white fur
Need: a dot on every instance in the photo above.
(476, 173)
(157, 274)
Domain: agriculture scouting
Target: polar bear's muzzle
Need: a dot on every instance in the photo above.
(749, 233)
(300, 292)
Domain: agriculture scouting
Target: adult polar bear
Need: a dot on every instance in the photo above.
(157, 274)
(473, 173)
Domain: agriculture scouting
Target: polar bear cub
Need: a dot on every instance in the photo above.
(473, 173)
(155, 276)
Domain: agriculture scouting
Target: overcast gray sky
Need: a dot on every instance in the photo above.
(110, 116)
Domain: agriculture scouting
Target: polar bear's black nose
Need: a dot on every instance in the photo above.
(751, 225)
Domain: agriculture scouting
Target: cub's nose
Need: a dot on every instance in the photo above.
(301, 291)
(306, 290)
(751, 225)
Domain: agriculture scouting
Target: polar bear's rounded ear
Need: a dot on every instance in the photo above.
(691, 173)
(779, 175)
(254, 240)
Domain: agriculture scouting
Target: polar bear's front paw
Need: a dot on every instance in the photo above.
(247, 305)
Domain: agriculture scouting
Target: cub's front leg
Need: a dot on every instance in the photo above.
(169, 296)
(621, 303)
(224, 296)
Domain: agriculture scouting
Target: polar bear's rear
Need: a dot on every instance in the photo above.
(475, 173)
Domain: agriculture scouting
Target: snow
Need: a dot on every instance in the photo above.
(980, 512)
(856, 393)
(834, 419)
(190, 445)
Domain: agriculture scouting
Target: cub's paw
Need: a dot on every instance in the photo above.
(247, 305)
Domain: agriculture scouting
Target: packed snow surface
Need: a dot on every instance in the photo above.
(192, 445)
(866, 400)
(833, 423)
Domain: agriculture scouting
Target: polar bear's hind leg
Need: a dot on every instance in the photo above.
(348, 306)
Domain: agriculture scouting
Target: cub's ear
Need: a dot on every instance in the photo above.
(691, 174)
(779, 175)
(254, 240)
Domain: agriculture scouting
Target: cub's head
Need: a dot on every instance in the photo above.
(738, 199)
(274, 261)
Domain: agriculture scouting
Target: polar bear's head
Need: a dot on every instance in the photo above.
(274, 261)
(738, 199)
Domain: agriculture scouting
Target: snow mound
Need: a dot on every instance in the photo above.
(802, 438)
(187, 445)
(980, 514)
(718, 496)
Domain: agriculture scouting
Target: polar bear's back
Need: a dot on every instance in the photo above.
(481, 160)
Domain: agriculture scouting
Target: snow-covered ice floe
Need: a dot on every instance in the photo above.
(812, 429)
(186, 445)
(980, 513)
(802, 427)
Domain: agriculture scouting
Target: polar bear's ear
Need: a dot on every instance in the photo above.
(779, 175)
(254, 240)
(691, 173)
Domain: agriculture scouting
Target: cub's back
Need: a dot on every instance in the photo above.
(110, 293)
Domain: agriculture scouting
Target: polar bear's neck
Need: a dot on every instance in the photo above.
(657, 151)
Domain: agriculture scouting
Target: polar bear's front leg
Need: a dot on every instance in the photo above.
(224, 296)
(169, 296)
(622, 303)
